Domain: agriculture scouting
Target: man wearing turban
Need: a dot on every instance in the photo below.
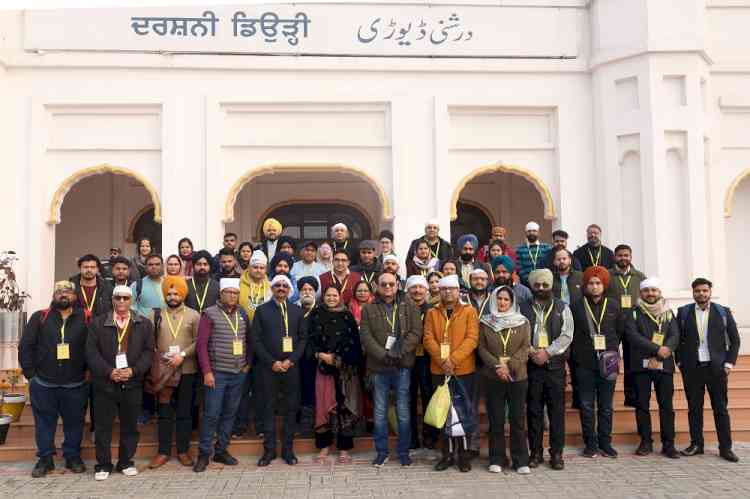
(271, 231)
(532, 253)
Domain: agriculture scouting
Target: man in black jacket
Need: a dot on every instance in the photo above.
(94, 292)
(594, 253)
(653, 337)
(52, 354)
(203, 290)
(709, 345)
(279, 339)
(119, 350)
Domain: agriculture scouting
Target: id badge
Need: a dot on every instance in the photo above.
(420, 350)
(121, 361)
(658, 338)
(504, 360)
(445, 351)
(389, 342)
(63, 351)
(174, 350)
(600, 343)
(626, 301)
(237, 347)
(543, 340)
(286, 344)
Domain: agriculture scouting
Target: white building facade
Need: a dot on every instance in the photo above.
(633, 114)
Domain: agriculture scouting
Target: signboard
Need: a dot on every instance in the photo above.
(312, 29)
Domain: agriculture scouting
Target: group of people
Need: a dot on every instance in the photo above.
(326, 336)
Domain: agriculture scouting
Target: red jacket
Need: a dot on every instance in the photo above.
(346, 288)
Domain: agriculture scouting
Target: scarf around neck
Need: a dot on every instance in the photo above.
(497, 320)
(658, 309)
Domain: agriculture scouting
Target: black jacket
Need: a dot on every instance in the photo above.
(723, 342)
(445, 250)
(582, 353)
(606, 260)
(549, 262)
(575, 286)
(212, 294)
(37, 350)
(639, 331)
(103, 301)
(268, 329)
(101, 349)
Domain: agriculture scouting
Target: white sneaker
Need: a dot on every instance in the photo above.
(495, 468)
(524, 470)
(101, 475)
(130, 471)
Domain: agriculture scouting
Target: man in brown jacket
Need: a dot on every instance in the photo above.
(390, 330)
(451, 335)
(175, 344)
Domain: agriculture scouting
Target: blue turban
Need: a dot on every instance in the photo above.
(505, 261)
(468, 238)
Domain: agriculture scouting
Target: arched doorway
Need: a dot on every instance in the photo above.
(143, 225)
(737, 211)
(507, 196)
(100, 210)
(308, 201)
(471, 219)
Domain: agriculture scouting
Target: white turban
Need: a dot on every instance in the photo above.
(340, 226)
(416, 280)
(122, 291)
(432, 221)
(532, 226)
(390, 257)
(279, 278)
(258, 257)
(651, 282)
(449, 281)
(479, 272)
(229, 283)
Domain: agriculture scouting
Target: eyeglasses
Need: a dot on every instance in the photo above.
(284, 286)
(387, 284)
(121, 298)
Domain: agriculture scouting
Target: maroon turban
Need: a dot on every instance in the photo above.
(596, 271)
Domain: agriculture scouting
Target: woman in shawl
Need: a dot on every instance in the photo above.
(432, 280)
(422, 263)
(334, 341)
(173, 265)
(504, 349)
(362, 295)
(138, 262)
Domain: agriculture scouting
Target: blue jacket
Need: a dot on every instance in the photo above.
(531, 257)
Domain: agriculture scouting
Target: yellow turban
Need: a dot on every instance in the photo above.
(174, 281)
(271, 223)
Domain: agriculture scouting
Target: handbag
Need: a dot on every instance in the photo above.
(439, 406)
(609, 365)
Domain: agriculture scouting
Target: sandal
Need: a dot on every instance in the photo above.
(346, 459)
(320, 459)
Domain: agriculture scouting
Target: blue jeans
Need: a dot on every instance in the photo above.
(219, 409)
(47, 405)
(382, 384)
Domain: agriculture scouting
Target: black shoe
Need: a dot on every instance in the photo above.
(225, 457)
(671, 453)
(556, 462)
(266, 459)
(201, 463)
(607, 451)
(239, 433)
(729, 455)
(43, 466)
(693, 450)
(444, 464)
(644, 449)
(535, 459)
(75, 465)
(590, 451)
(289, 458)
(464, 465)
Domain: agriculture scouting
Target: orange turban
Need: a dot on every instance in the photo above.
(596, 271)
(174, 281)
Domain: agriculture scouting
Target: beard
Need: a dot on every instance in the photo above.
(500, 281)
(532, 238)
(542, 295)
(61, 304)
(477, 290)
(173, 303)
(467, 257)
(307, 300)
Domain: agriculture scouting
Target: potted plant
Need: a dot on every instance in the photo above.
(13, 402)
(12, 321)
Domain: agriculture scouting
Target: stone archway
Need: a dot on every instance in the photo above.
(737, 213)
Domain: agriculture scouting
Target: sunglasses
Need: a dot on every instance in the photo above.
(121, 298)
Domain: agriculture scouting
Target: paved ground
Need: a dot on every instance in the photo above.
(628, 476)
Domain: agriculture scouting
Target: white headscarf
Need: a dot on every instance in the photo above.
(497, 320)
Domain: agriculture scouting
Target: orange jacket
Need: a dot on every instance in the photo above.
(463, 334)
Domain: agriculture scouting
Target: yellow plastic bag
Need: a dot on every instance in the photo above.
(439, 406)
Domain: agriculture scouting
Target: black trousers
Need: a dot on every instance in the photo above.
(421, 389)
(325, 439)
(663, 384)
(126, 405)
(696, 380)
(546, 388)
(499, 396)
(274, 387)
(177, 415)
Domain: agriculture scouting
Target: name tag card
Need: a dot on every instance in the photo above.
(626, 301)
(121, 361)
(174, 350)
(543, 340)
(389, 342)
(237, 347)
(658, 338)
(63, 351)
(287, 346)
(600, 342)
(445, 351)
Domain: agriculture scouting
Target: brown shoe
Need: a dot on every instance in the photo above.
(185, 459)
(158, 461)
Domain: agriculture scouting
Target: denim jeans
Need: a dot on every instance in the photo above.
(219, 410)
(595, 390)
(48, 404)
(381, 385)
